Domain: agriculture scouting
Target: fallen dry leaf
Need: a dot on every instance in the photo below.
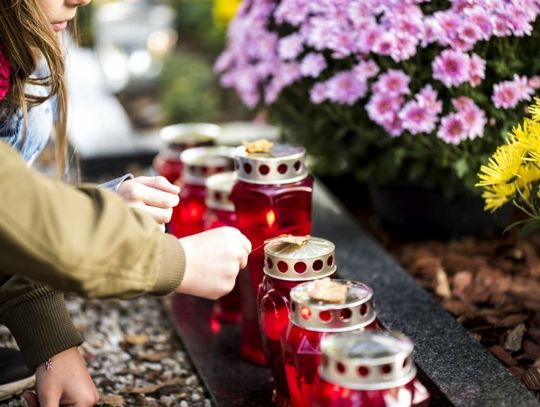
(532, 378)
(111, 400)
(514, 338)
(442, 288)
(499, 352)
(136, 339)
(153, 387)
(152, 356)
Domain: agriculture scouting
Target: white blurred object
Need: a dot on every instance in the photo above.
(132, 37)
(233, 133)
(98, 124)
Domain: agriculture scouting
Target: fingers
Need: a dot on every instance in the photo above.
(160, 183)
(160, 215)
(155, 197)
(49, 399)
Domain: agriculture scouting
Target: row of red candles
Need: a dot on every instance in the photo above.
(270, 195)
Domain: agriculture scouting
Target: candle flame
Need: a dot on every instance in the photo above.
(271, 218)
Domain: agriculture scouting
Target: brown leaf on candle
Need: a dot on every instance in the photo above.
(258, 146)
(296, 240)
(329, 291)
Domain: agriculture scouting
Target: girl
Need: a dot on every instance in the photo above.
(32, 92)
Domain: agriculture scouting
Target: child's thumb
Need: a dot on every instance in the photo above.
(31, 399)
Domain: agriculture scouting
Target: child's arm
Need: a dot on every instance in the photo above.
(66, 383)
(86, 241)
(37, 317)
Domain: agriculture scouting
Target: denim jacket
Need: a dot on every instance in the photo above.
(39, 124)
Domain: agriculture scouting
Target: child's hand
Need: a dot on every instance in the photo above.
(66, 383)
(213, 260)
(155, 195)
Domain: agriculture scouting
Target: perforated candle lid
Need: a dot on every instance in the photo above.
(201, 162)
(282, 164)
(355, 312)
(299, 258)
(218, 191)
(367, 360)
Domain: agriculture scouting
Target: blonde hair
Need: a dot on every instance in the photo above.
(28, 37)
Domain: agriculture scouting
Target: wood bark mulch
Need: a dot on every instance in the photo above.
(492, 286)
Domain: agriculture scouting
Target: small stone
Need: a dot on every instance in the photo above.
(184, 403)
(195, 397)
(166, 400)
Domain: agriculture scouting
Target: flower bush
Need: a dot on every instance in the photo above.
(394, 91)
(513, 171)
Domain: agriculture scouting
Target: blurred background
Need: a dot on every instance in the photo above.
(140, 65)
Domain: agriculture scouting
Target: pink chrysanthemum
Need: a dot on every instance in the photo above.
(393, 82)
(534, 82)
(477, 70)
(382, 108)
(366, 69)
(290, 47)
(345, 88)
(417, 118)
(451, 67)
(508, 94)
(318, 93)
(472, 115)
(453, 129)
(312, 65)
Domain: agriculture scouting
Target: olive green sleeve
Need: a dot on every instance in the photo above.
(38, 319)
(82, 240)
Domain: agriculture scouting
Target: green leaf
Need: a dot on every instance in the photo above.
(462, 167)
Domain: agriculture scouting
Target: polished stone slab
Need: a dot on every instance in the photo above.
(456, 369)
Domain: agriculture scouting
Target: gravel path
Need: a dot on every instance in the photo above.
(132, 354)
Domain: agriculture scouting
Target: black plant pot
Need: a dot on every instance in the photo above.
(415, 212)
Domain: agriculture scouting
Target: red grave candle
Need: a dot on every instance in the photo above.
(368, 369)
(220, 212)
(199, 163)
(272, 197)
(310, 321)
(178, 138)
(285, 266)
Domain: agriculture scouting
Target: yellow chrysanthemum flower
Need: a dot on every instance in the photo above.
(532, 140)
(503, 166)
(535, 110)
(225, 10)
(496, 196)
(526, 176)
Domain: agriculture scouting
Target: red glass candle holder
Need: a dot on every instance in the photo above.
(368, 369)
(178, 138)
(199, 163)
(286, 265)
(272, 197)
(220, 212)
(312, 320)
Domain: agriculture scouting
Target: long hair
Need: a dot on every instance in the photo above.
(27, 35)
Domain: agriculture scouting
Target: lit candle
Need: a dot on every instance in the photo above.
(272, 196)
